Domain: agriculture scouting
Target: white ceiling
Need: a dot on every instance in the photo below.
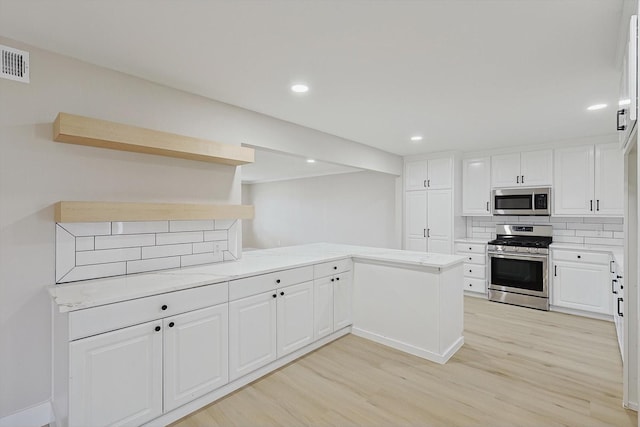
(467, 74)
(276, 166)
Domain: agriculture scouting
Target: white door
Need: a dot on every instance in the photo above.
(342, 290)
(505, 170)
(536, 168)
(573, 181)
(295, 317)
(415, 175)
(416, 221)
(439, 173)
(252, 333)
(439, 216)
(323, 306)
(609, 180)
(115, 379)
(582, 287)
(196, 354)
(476, 187)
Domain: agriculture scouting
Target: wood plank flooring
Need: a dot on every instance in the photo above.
(518, 367)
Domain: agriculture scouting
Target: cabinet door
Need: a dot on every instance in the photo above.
(609, 180)
(115, 378)
(505, 170)
(295, 317)
(323, 306)
(439, 173)
(342, 290)
(439, 216)
(195, 354)
(582, 287)
(476, 187)
(252, 333)
(536, 168)
(573, 181)
(416, 221)
(415, 175)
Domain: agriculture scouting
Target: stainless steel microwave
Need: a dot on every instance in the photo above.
(521, 201)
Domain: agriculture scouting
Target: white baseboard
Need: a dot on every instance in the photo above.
(36, 416)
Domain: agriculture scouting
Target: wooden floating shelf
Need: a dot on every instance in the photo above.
(81, 130)
(122, 211)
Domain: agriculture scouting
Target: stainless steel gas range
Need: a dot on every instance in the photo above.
(518, 265)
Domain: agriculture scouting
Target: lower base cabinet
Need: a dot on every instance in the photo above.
(332, 303)
(130, 376)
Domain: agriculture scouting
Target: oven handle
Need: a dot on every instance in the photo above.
(534, 257)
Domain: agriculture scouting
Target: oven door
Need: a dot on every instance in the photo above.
(523, 274)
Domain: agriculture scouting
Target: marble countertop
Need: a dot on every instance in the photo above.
(91, 293)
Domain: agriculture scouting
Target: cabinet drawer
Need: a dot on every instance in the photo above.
(473, 270)
(475, 285)
(475, 248)
(95, 320)
(333, 267)
(578, 256)
(471, 258)
(254, 285)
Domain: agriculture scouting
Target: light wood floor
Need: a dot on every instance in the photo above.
(517, 367)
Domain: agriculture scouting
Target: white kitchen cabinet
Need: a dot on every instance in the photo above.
(529, 169)
(476, 186)
(195, 354)
(439, 217)
(475, 272)
(588, 181)
(342, 301)
(416, 221)
(252, 333)
(294, 318)
(434, 174)
(323, 306)
(428, 221)
(115, 378)
(333, 297)
(581, 281)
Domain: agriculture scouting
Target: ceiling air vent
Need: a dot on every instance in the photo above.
(15, 64)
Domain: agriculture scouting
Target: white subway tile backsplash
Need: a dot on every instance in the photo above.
(216, 235)
(87, 228)
(559, 225)
(618, 235)
(566, 219)
(534, 219)
(107, 256)
(583, 226)
(125, 241)
(166, 250)
(126, 247)
(557, 232)
(139, 227)
(224, 224)
(96, 271)
(603, 220)
(195, 225)
(594, 233)
(183, 237)
(85, 243)
(152, 264)
(606, 242)
(205, 258)
(613, 227)
(568, 239)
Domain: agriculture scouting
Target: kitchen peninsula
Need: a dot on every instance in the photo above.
(183, 338)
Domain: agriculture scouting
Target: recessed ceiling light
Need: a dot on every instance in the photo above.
(624, 102)
(310, 161)
(416, 138)
(300, 88)
(596, 107)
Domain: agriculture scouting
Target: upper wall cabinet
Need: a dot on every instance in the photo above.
(588, 181)
(80, 130)
(476, 187)
(528, 169)
(432, 174)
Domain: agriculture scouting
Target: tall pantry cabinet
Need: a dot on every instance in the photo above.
(432, 203)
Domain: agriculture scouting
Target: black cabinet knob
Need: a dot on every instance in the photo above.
(158, 328)
(171, 325)
(281, 293)
(335, 268)
(579, 256)
(274, 295)
(469, 248)
(469, 271)
(277, 280)
(333, 280)
(471, 285)
(337, 278)
(164, 307)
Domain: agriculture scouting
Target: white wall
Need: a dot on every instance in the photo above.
(36, 172)
(359, 208)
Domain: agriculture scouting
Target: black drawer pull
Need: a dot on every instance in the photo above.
(171, 325)
(277, 280)
(274, 295)
(164, 307)
(337, 278)
(613, 287)
(158, 328)
(619, 312)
